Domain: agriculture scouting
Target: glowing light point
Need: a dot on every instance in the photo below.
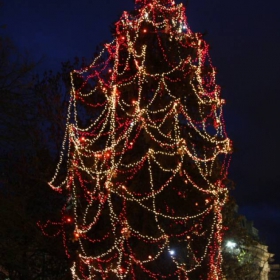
(231, 245)
(172, 252)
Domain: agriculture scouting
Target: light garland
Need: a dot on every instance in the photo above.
(145, 177)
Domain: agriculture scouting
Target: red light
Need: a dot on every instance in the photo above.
(98, 155)
(121, 270)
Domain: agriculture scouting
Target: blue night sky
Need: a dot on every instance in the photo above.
(245, 42)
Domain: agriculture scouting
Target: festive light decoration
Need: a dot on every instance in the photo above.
(231, 244)
(147, 154)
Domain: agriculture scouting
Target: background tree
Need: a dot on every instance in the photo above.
(145, 154)
(244, 254)
(26, 106)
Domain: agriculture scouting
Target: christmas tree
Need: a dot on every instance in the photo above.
(147, 154)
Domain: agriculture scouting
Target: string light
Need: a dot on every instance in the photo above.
(156, 135)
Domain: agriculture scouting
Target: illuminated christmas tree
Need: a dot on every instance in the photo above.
(146, 153)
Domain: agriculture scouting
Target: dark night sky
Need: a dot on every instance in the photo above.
(244, 36)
